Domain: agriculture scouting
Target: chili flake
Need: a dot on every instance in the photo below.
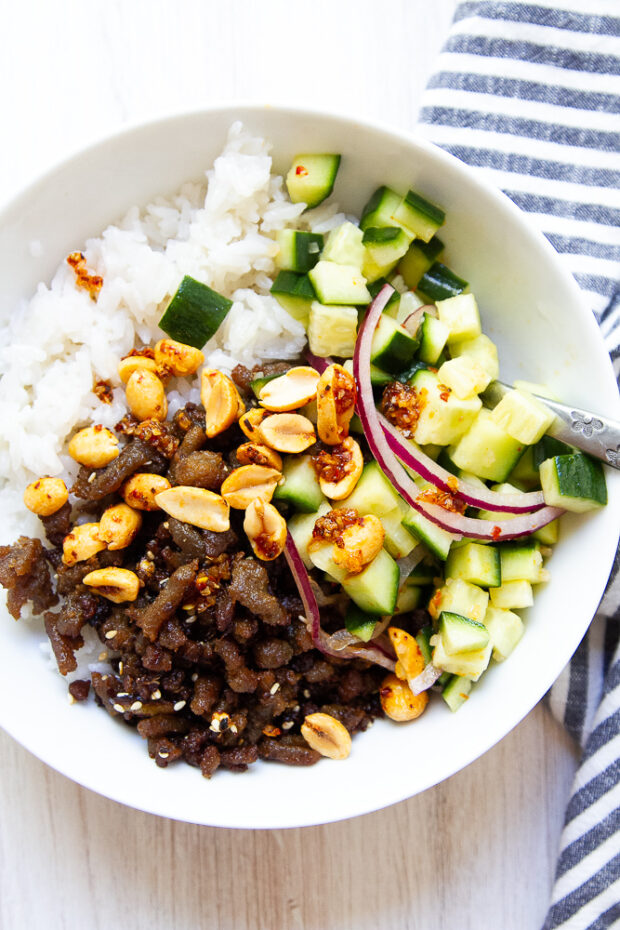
(402, 405)
(332, 464)
(103, 390)
(442, 499)
(300, 171)
(84, 279)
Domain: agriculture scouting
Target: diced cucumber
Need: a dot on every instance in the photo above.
(300, 527)
(383, 245)
(464, 376)
(359, 623)
(423, 639)
(512, 594)
(295, 293)
(521, 561)
(459, 597)
(322, 557)
(391, 307)
(409, 598)
(378, 378)
(332, 330)
(434, 537)
(398, 541)
(476, 563)
(409, 302)
(486, 450)
(419, 216)
(407, 376)
(299, 250)
(444, 417)
(344, 245)
(575, 482)
(195, 313)
(482, 350)
(547, 448)
(433, 337)
(300, 486)
(375, 589)
(310, 178)
(525, 474)
(467, 664)
(392, 346)
(460, 634)
(339, 284)
(456, 691)
(423, 574)
(548, 535)
(439, 283)
(418, 259)
(505, 630)
(523, 417)
(380, 209)
(461, 316)
(373, 494)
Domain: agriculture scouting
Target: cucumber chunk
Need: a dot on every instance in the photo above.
(482, 350)
(464, 376)
(512, 594)
(433, 337)
(434, 537)
(392, 346)
(380, 209)
(439, 283)
(459, 597)
(419, 216)
(321, 556)
(295, 293)
(418, 259)
(460, 634)
(195, 313)
(375, 589)
(461, 316)
(476, 563)
(444, 417)
(522, 416)
(521, 561)
(300, 486)
(300, 527)
(332, 330)
(547, 448)
(344, 245)
(505, 630)
(299, 250)
(466, 664)
(373, 494)
(486, 450)
(310, 178)
(409, 598)
(456, 691)
(423, 639)
(575, 482)
(339, 284)
(391, 307)
(398, 540)
(383, 246)
(359, 623)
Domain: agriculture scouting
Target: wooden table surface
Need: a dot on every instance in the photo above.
(478, 850)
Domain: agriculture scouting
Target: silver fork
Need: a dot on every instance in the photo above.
(597, 435)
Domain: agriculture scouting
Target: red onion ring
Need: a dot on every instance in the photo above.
(412, 322)
(455, 523)
(425, 680)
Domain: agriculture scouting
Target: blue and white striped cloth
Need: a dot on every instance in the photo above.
(529, 94)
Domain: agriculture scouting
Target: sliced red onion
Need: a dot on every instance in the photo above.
(319, 364)
(413, 457)
(412, 322)
(455, 523)
(407, 564)
(425, 679)
(370, 653)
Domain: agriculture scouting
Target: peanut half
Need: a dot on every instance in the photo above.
(119, 525)
(221, 401)
(82, 542)
(250, 422)
(335, 402)
(326, 735)
(45, 496)
(340, 469)
(115, 584)
(399, 702)
(94, 447)
(131, 363)
(265, 527)
(196, 506)
(141, 489)
(410, 659)
(287, 432)
(247, 483)
(359, 543)
(253, 453)
(177, 357)
(146, 397)
(291, 390)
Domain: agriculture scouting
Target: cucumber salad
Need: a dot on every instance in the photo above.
(432, 512)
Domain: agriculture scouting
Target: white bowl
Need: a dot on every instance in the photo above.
(530, 306)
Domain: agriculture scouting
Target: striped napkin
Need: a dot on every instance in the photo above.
(529, 94)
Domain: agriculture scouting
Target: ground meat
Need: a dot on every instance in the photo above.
(250, 587)
(79, 689)
(201, 470)
(151, 618)
(291, 749)
(25, 572)
(77, 610)
(200, 544)
(63, 646)
(136, 455)
(58, 524)
(243, 376)
(272, 653)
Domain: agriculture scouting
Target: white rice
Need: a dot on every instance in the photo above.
(60, 343)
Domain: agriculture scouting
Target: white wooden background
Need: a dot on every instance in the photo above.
(475, 852)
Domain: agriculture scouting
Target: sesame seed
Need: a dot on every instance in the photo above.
(104, 677)
(111, 634)
(233, 728)
(156, 695)
(137, 705)
(149, 555)
(103, 656)
(274, 688)
(119, 708)
(195, 676)
(164, 755)
(191, 619)
(166, 525)
(179, 705)
(120, 668)
(70, 698)
(123, 694)
(286, 725)
(215, 726)
(92, 477)
(306, 693)
(296, 708)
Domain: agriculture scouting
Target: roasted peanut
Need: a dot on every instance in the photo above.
(140, 490)
(131, 363)
(220, 399)
(245, 484)
(287, 432)
(115, 584)
(335, 402)
(196, 506)
(398, 701)
(410, 660)
(359, 543)
(94, 447)
(119, 525)
(326, 735)
(291, 390)
(46, 495)
(339, 469)
(82, 542)
(265, 527)
(251, 421)
(177, 357)
(253, 453)
(145, 395)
